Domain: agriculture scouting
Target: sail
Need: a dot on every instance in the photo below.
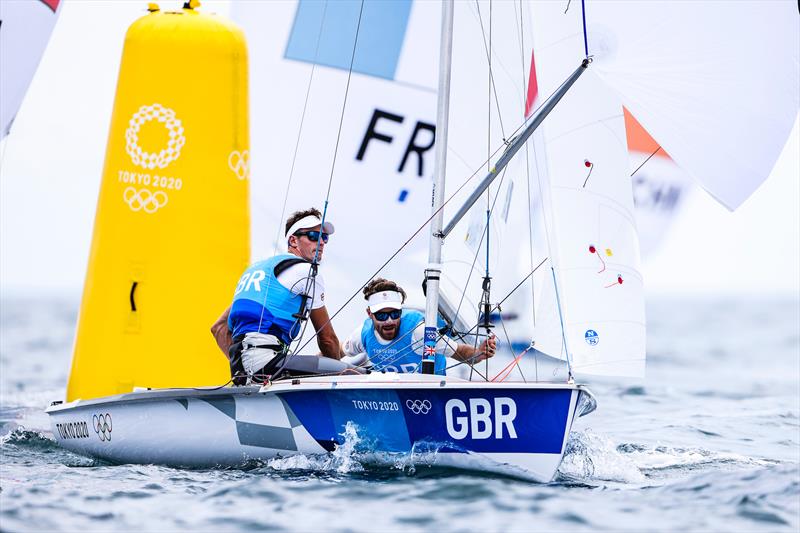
(592, 305)
(25, 29)
(697, 72)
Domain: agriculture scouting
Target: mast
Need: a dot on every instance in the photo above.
(434, 269)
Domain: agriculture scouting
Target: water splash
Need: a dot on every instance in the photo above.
(29, 439)
(592, 457)
(343, 460)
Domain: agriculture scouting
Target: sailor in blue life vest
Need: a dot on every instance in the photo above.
(270, 299)
(391, 338)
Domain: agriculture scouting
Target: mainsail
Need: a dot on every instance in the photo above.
(25, 29)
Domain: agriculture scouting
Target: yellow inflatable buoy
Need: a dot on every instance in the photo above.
(171, 231)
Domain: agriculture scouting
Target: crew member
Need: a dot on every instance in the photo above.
(392, 338)
(270, 300)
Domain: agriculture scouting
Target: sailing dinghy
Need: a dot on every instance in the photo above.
(164, 404)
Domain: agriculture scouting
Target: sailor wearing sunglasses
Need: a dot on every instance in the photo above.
(391, 338)
(263, 319)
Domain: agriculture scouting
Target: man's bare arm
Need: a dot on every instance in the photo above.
(470, 355)
(221, 332)
(327, 340)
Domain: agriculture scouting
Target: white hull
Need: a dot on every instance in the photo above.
(488, 428)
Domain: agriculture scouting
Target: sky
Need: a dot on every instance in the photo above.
(51, 164)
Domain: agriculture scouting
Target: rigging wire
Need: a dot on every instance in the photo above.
(313, 269)
(431, 217)
(294, 160)
(646, 160)
(585, 38)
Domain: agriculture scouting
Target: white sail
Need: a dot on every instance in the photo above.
(582, 162)
(701, 73)
(25, 28)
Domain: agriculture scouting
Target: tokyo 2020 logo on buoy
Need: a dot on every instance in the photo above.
(167, 155)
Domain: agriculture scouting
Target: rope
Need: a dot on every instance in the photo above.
(646, 160)
(585, 38)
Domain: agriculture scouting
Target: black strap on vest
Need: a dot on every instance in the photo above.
(281, 267)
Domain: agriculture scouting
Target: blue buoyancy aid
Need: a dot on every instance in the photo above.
(262, 304)
(401, 354)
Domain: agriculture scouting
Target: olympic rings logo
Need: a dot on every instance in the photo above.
(174, 127)
(102, 426)
(144, 200)
(419, 407)
(239, 163)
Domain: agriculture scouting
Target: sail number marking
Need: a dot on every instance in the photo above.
(481, 419)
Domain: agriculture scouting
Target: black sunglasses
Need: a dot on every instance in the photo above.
(313, 236)
(383, 316)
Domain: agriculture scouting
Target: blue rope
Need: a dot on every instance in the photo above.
(585, 38)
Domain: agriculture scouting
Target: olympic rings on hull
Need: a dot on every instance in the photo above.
(102, 426)
(419, 407)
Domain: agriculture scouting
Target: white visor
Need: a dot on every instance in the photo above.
(309, 222)
(385, 300)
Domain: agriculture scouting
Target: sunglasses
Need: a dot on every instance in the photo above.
(383, 316)
(313, 236)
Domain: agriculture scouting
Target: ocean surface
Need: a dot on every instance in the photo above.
(710, 441)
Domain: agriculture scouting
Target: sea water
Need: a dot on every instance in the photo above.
(710, 441)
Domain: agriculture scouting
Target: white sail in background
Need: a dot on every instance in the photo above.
(25, 28)
(660, 187)
(581, 160)
(700, 73)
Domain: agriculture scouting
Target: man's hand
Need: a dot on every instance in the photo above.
(486, 349)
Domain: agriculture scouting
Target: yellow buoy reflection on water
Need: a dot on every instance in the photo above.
(171, 230)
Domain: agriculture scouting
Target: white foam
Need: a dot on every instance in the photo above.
(590, 456)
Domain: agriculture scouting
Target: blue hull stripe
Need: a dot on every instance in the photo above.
(509, 421)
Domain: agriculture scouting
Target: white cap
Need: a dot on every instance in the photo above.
(384, 300)
(309, 222)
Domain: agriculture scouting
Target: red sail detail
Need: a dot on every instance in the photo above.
(52, 4)
(533, 88)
